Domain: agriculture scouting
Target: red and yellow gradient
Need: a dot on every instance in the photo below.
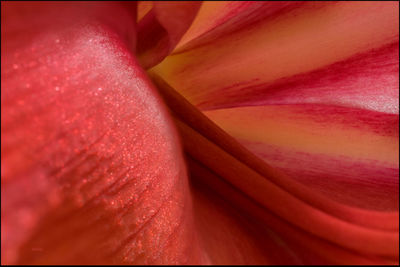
(314, 35)
(325, 147)
(289, 130)
(159, 32)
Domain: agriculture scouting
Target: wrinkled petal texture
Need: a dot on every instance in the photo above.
(92, 170)
(287, 112)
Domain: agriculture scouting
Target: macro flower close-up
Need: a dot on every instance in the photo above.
(190, 132)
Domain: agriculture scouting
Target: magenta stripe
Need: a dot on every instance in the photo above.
(362, 183)
(368, 80)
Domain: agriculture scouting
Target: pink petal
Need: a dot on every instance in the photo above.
(310, 37)
(348, 154)
(343, 225)
(368, 80)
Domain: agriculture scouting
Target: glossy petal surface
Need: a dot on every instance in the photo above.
(92, 170)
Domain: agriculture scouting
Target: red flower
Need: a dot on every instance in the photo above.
(287, 113)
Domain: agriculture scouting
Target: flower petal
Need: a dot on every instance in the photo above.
(198, 121)
(143, 7)
(300, 247)
(92, 169)
(219, 18)
(368, 80)
(307, 38)
(161, 29)
(212, 147)
(348, 154)
(283, 204)
(230, 236)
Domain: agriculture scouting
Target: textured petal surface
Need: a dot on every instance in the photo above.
(92, 170)
(303, 171)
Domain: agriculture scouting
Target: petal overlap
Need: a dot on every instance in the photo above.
(261, 133)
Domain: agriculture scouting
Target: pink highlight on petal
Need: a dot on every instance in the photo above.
(304, 39)
(93, 170)
(210, 146)
(94, 152)
(369, 80)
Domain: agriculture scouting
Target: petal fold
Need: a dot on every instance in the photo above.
(211, 146)
(160, 30)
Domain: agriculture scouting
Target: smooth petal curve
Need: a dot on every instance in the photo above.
(315, 35)
(84, 108)
(191, 116)
(160, 30)
(293, 246)
(200, 146)
(348, 154)
(219, 18)
(368, 81)
(143, 7)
